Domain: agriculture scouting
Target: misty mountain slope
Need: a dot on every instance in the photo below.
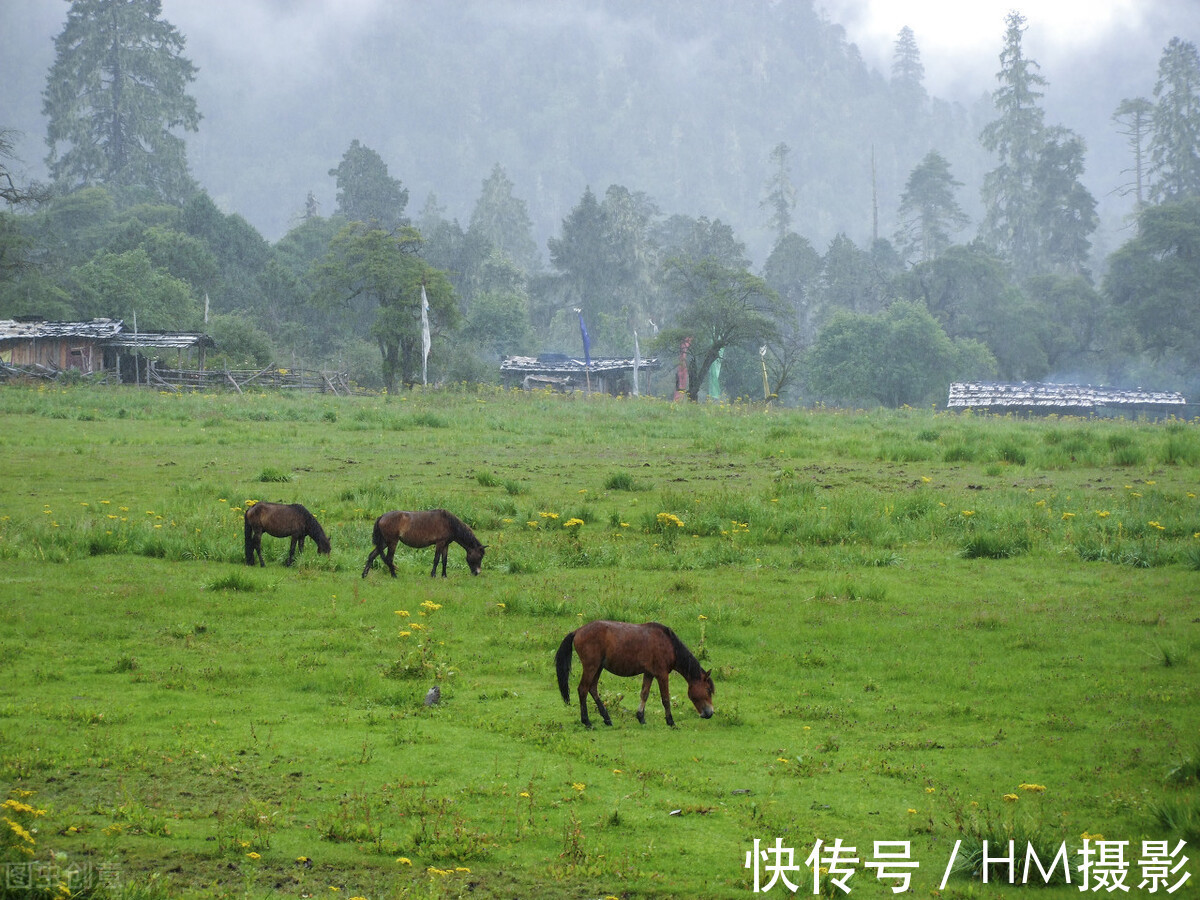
(683, 101)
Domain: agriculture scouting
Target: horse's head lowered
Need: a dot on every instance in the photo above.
(700, 692)
(475, 558)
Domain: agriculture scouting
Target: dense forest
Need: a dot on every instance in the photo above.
(977, 259)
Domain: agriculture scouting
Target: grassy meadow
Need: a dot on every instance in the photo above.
(923, 627)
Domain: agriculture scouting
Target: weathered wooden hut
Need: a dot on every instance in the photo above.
(35, 346)
(557, 371)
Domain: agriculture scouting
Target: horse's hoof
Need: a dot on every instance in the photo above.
(608, 722)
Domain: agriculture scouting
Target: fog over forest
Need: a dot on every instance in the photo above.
(681, 101)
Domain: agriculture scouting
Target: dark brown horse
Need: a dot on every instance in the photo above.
(420, 529)
(650, 650)
(282, 520)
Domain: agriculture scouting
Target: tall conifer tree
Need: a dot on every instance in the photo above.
(115, 95)
(1175, 144)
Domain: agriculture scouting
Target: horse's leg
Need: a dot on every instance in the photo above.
(665, 690)
(370, 559)
(595, 692)
(291, 552)
(441, 551)
(647, 680)
(583, 695)
(390, 558)
(258, 546)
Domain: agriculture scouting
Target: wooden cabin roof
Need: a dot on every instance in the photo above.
(110, 332)
(1053, 397)
(561, 364)
(39, 329)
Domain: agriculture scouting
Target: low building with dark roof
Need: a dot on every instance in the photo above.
(559, 372)
(32, 345)
(1062, 399)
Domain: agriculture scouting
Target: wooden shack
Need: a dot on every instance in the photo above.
(31, 343)
(33, 346)
(559, 372)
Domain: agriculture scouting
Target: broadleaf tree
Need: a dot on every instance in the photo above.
(720, 307)
(379, 274)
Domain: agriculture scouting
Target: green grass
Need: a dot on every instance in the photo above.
(908, 615)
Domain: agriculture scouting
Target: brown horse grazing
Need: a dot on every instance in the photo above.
(282, 520)
(650, 650)
(420, 529)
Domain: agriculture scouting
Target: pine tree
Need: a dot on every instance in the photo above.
(502, 220)
(928, 210)
(781, 193)
(1175, 144)
(114, 95)
(1038, 213)
(908, 74)
(1135, 119)
(365, 190)
(1015, 137)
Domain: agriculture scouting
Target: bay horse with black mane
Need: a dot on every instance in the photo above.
(650, 650)
(282, 520)
(421, 529)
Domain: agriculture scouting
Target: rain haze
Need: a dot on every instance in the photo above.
(284, 87)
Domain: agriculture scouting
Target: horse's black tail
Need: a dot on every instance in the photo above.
(562, 664)
(249, 541)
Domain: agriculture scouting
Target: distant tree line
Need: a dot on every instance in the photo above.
(123, 230)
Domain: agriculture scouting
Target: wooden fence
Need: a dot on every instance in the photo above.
(271, 378)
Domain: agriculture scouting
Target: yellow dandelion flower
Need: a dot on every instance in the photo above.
(254, 855)
(1033, 788)
(402, 612)
(578, 786)
(911, 811)
(524, 794)
(1010, 798)
(404, 860)
(1068, 516)
(406, 634)
(431, 606)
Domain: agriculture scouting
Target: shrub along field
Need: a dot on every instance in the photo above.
(926, 628)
